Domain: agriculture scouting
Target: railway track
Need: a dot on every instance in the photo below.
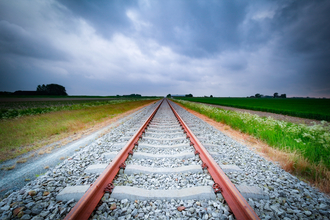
(165, 171)
(168, 133)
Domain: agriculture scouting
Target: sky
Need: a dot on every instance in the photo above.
(225, 48)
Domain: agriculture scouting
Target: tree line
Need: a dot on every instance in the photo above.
(276, 95)
(51, 89)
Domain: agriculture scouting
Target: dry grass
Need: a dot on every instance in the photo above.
(8, 167)
(316, 175)
(22, 160)
(29, 133)
(292, 162)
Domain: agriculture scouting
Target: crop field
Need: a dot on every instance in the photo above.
(20, 108)
(305, 108)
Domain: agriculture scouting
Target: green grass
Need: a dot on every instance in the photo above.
(26, 133)
(305, 108)
(312, 142)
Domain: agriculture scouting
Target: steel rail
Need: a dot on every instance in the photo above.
(234, 199)
(86, 205)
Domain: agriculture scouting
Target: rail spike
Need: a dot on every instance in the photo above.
(217, 188)
(204, 166)
(109, 188)
(122, 165)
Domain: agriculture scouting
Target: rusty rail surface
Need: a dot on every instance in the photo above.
(86, 205)
(235, 200)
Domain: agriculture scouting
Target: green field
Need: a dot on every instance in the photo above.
(305, 108)
(33, 106)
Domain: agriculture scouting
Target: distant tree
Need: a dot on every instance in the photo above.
(283, 96)
(168, 96)
(189, 95)
(51, 89)
(132, 95)
(211, 96)
(258, 95)
(42, 89)
(275, 95)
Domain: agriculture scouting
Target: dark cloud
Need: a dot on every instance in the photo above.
(107, 17)
(304, 27)
(15, 40)
(304, 38)
(195, 28)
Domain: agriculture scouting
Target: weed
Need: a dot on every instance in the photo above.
(37, 175)
(22, 160)
(8, 167)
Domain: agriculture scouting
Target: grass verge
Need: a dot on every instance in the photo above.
(24, 134)
(305, 150)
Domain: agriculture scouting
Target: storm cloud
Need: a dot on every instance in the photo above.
(223, 48)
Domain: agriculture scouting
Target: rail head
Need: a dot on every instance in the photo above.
(237, 203)
(86, 205)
